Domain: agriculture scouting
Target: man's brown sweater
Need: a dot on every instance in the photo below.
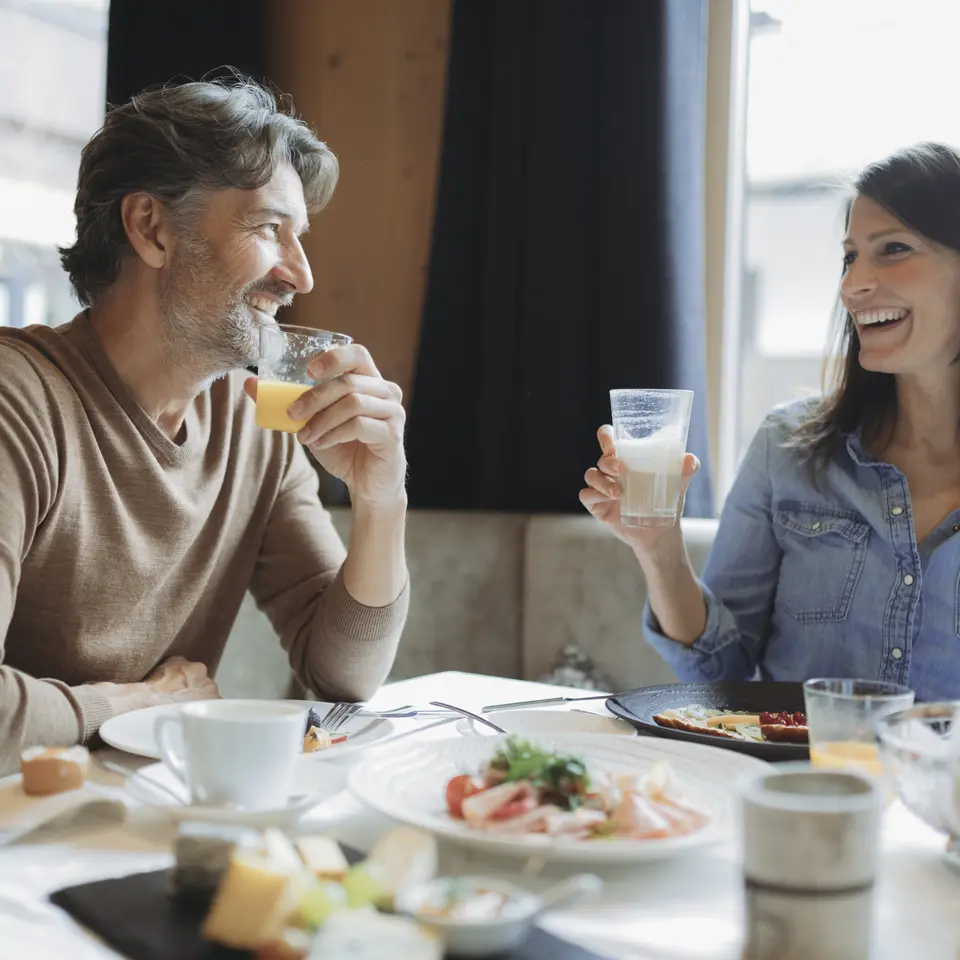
(120, 548)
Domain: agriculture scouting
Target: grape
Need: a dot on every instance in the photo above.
(363, 886)
(318, 902)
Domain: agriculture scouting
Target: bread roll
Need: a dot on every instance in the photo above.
(48, 770)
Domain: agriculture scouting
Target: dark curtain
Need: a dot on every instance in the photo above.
(155, 41)
(567, 247)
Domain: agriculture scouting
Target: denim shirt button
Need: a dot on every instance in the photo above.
(908, 580)
(896, 511)
(956, 528)
(896, 653)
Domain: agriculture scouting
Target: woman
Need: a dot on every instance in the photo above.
(838, 551)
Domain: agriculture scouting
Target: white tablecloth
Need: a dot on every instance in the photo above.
(688, 908)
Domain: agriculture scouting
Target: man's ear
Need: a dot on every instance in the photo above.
(147, 227)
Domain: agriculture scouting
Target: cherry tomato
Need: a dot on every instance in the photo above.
(458, 788)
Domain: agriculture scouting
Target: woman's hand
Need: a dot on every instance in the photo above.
(601, 497)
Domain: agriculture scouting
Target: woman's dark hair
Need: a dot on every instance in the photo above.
(177, 143)
(920, 186)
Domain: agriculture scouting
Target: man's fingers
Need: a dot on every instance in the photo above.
(250, 388)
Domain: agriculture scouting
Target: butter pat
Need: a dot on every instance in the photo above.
(401, 857)
(49, 770)
(323, 857)
(364, 935)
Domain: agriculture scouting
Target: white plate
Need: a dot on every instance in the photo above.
(546, 723)
(133, 732)
(410, 785)
(310, 788)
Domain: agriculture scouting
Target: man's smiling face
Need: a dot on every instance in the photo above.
(236, 262)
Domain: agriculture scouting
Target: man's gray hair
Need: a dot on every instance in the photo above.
(176, 143)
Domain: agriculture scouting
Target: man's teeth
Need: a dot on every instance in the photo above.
(264, 305)
(869, 317)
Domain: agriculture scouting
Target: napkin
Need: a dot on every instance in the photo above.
(22, 815)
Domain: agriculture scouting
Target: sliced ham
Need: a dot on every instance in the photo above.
(533, 821)
(507, 800)
(639, 817)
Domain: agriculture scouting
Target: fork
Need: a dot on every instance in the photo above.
(339, 714)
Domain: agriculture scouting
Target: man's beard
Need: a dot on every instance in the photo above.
(206, 326)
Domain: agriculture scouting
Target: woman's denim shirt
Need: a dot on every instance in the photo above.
(824, 579)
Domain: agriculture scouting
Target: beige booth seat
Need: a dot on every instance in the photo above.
(497, 594)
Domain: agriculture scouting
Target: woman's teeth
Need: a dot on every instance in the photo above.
(264, 305)
(873, 318)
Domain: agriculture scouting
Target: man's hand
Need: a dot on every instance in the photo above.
(176, 680)
(355, 424)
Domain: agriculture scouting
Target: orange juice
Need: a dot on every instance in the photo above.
(845, 754)
(273, 399)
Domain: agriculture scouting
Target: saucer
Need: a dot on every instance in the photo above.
(306, 797)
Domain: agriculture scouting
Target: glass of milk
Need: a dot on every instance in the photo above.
(650, 434)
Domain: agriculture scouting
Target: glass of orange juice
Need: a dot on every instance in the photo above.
(842, 716)
(285, 352)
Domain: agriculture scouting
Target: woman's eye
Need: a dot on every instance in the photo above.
(848, 258)
(894, 247)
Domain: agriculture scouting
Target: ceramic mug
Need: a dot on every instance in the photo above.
(810, 850)
(237, 752)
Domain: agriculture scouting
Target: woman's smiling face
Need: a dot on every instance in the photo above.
(902, 291)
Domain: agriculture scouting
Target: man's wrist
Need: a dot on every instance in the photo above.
(391, 508)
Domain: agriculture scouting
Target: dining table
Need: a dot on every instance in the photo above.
(688, 907)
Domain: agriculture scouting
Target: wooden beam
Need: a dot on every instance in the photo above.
(370, 77)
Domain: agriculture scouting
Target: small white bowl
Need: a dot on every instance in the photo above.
(495, 935)
(539, 723)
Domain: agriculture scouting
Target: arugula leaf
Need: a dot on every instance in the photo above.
(559, 779)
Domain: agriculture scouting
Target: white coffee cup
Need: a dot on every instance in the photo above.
(239, 752)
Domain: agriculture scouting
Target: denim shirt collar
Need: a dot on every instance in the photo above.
(857, 452)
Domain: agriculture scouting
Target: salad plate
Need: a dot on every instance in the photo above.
(628, 773)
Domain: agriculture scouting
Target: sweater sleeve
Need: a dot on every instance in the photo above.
(33, 711)
(338, 648)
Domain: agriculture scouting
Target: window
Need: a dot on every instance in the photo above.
(831, 86)
(52, 90)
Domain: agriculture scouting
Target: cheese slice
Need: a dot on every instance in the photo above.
(255, 897)
(323, 856)
(363, 935)
(401, 857)
(202, 853)
(734, 720)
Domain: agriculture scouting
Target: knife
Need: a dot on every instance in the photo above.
(493, 707)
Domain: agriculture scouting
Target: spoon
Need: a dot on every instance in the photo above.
(150, 783)
(467, 713)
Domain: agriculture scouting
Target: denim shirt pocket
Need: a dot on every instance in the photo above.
(823, 555)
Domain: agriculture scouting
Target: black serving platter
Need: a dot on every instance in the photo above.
(639, 707)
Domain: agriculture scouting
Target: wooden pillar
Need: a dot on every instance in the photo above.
(370, 77)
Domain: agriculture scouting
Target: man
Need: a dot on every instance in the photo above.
(138, 499)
